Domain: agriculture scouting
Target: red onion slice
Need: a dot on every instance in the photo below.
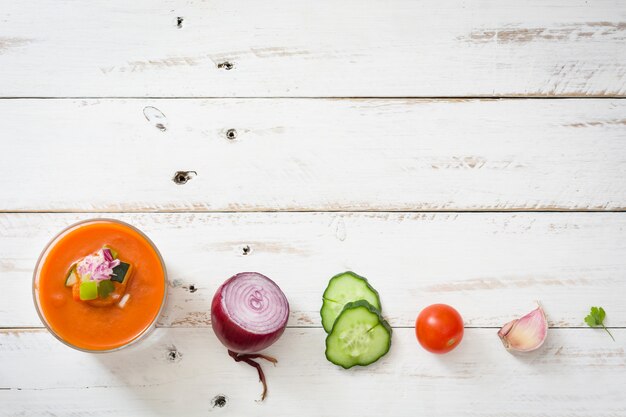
(255, 303)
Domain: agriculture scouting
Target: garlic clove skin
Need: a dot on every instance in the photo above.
(525, 334)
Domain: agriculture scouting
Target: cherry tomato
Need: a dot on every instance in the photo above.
(439, 328)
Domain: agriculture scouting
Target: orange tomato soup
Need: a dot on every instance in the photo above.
(100, 328)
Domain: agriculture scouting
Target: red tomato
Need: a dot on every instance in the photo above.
(439, 328)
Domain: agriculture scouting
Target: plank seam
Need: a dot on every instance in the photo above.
(27, 328)
(442, 98)
(486, 211)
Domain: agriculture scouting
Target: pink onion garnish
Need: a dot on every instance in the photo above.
(106, 252)
(249, 312)
(98, 266)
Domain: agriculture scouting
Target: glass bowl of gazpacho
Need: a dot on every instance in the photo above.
(100, 285)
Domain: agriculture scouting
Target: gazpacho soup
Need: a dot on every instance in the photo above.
(99, 285)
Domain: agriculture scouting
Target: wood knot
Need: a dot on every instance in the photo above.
(231, 134)
(192, 288)
(219, 401)
(181, 177)
(179, 22)
(245, 250)
(227, 65)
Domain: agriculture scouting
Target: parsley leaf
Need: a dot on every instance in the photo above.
(596, 318)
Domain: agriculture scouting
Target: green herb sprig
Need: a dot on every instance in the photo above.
(596, 318)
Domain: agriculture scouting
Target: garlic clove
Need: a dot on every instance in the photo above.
(527, 333)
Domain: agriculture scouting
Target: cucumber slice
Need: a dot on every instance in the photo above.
(342, 289)
(121, 272)
(360, 336)
(72, 277)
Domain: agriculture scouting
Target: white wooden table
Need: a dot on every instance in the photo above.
(466, 152)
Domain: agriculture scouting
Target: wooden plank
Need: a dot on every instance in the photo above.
(480, 378)
(304, 49)
(491, 266)
(309, 154)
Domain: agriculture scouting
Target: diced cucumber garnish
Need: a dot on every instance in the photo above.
(360, 336)
(88, 290)
(120, 272)
(72, 277)
(342, 289)
(105, 288)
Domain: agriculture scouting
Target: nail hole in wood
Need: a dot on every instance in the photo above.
(218, 401)
(181, 177)
(231, 134)
(226, 65)
(246, 250)
(192, 288)
(173, 355)
(179, 22)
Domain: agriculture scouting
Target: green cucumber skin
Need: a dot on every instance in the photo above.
(357, 276)
(371, 309)
(123, 267)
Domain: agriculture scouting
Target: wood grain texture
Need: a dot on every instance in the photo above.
(311, 154)
(491, 266)
(578, 373)
(305, 49)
